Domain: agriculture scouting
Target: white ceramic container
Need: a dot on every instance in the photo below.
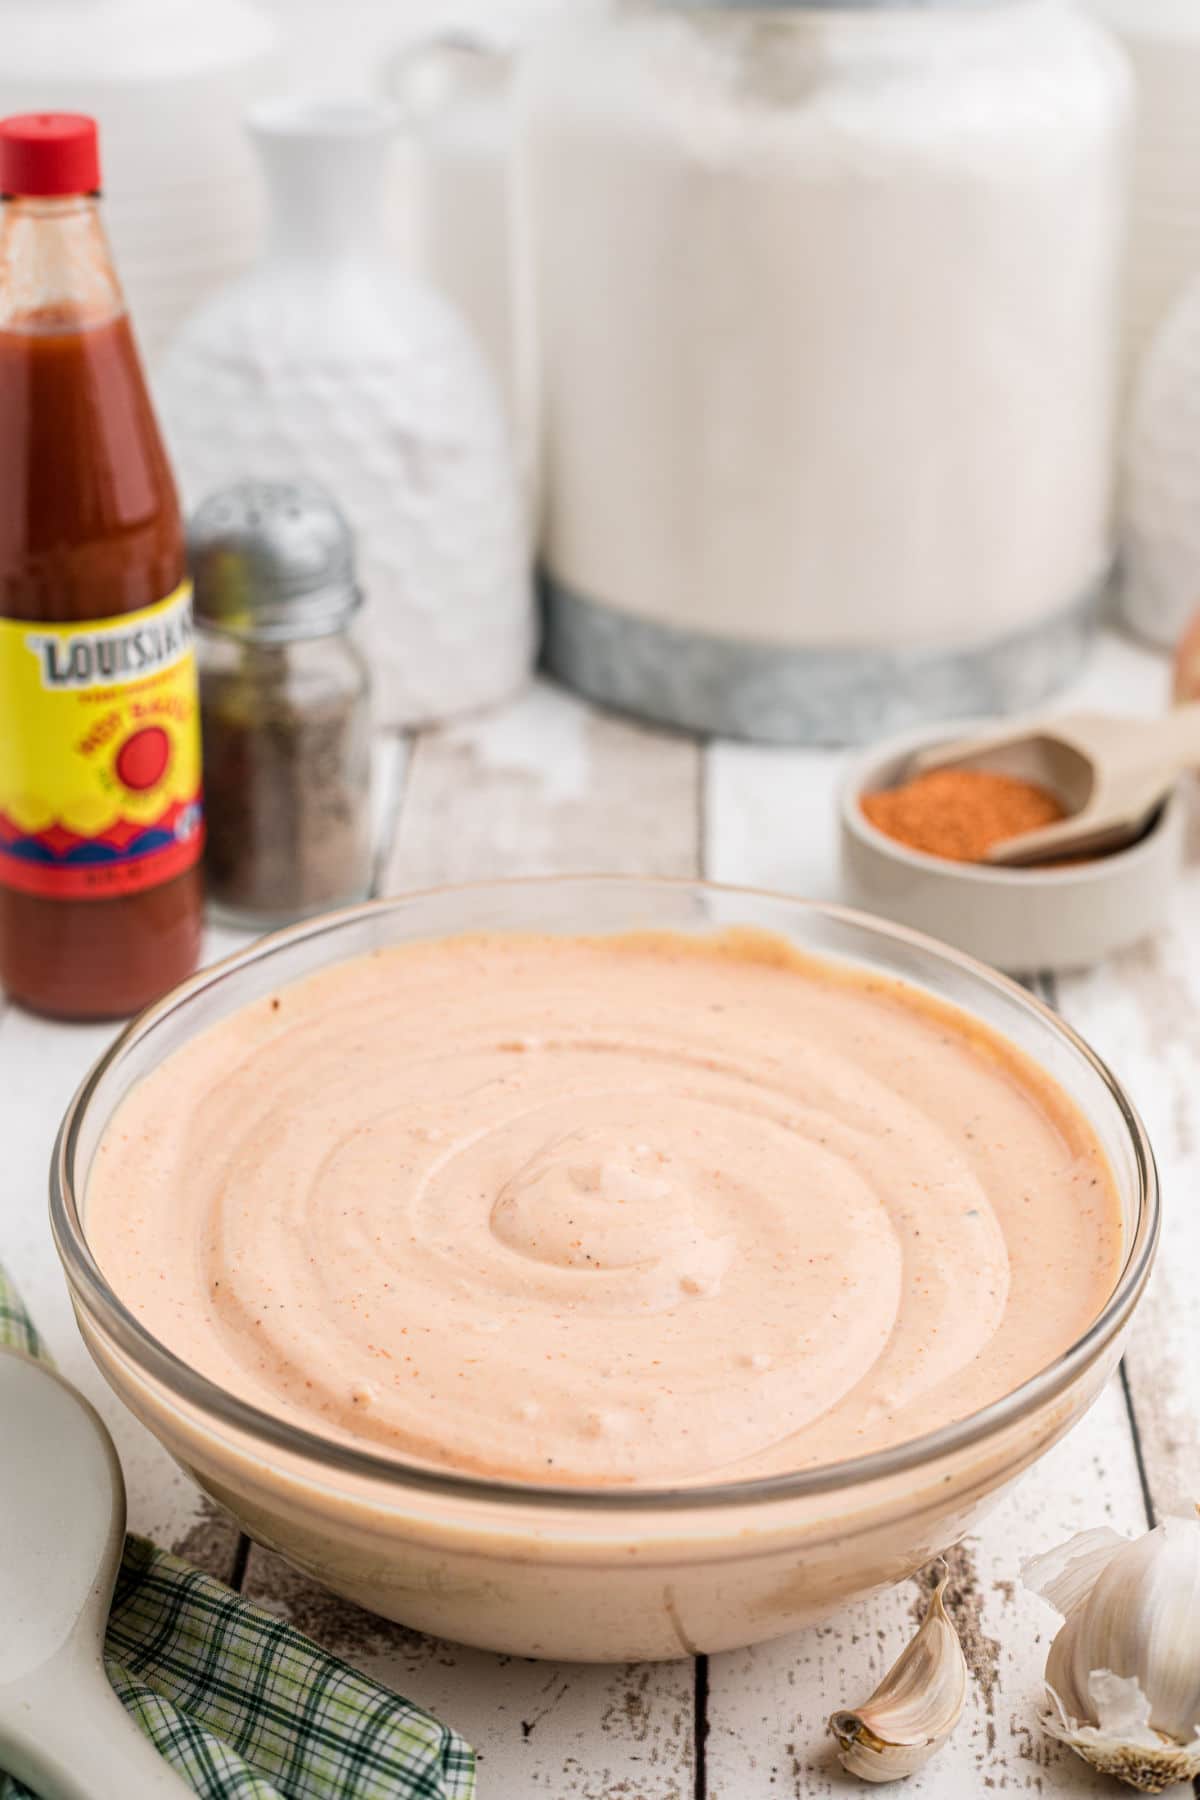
(1162, 40)
(323, 362)
(1024, 921)
(454, 86)
(455, 97)
(825, 325)
(168, 81)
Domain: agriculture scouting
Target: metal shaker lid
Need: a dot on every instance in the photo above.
(272, 560)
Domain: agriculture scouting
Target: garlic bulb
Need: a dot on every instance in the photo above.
(915, 1707)
(1123, 1674)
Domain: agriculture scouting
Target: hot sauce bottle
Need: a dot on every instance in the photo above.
(101, 826)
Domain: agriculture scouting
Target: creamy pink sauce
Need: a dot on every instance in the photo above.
(638, 1210)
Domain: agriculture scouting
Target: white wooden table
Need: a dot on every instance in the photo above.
(550, 786)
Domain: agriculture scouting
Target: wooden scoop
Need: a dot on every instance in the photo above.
(1109, 774)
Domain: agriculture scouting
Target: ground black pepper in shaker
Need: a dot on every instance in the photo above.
(284, 704)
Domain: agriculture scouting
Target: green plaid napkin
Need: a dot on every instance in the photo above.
(242, 1706)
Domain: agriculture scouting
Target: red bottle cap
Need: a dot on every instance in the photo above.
(42, 154)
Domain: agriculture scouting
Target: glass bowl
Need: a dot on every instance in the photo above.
(596, 1573)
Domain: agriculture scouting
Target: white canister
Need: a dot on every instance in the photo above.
(322, 362)
(823, 324)
(168, 81)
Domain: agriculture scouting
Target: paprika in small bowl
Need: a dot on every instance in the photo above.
(909, 850)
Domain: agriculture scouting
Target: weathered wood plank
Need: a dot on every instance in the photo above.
(1142, 1014)
(768, 1706)
(569, 1731)
(1141, 1011)
(771, 821)
(771, 818)
(544, 787)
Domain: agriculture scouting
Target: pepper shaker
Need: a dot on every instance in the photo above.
(284, 704)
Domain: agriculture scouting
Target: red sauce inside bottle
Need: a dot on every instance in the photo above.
(89, 530)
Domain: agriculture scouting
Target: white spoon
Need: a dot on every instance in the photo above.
(1109, 774)
(62, 1525)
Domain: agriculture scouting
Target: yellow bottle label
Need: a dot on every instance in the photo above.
(100, 790)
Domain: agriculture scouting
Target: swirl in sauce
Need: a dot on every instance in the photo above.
(643, 1210)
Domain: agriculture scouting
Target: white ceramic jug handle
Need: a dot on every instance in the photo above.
(424, 77)
(75, 1741)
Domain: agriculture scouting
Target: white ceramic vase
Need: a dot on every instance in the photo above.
(1162, 40)
(455, 86)
(1160, 489)
(324, 362)
(168, 81)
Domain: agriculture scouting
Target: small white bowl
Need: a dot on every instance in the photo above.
(1020, 920)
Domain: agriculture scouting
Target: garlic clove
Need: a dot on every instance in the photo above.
(1123, 1673)
(915, 1707)
(1066, 1576)
(1123, 1743)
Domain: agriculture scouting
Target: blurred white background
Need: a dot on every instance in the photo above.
(169, 82)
